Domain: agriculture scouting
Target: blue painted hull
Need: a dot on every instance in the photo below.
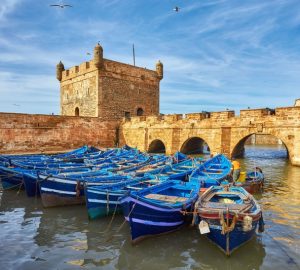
(236, 238)
(158, 209)
(31, 181)
(147, 220)
(31, 185)
(11, 179)
(61, 191)
(105, 200)
(101, 203)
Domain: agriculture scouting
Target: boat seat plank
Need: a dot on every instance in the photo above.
(166, 198)
(135, 188)
(224, 206)
(213, 169)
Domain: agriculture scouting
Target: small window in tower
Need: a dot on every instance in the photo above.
(139, 112)
(76, 111)
(127, 115)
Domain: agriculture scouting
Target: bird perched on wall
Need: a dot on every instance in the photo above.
(61, 5)
(176, 9)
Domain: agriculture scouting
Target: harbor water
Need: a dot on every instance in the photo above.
(32, 237)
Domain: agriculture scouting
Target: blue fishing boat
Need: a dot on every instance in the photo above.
(60, 191)
(11, 177)
(254, 181)
(179, 171)
(31, 182)
(158, 209)
(105, 200)
(212, 172)
(228, 216)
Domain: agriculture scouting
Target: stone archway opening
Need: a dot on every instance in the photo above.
(157, 147)
(260, 145)
(194, 146)
(76, 111)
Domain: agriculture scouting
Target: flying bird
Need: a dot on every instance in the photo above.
(61, 5)
(176, 9)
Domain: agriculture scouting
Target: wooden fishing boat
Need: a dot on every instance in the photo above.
(212, 172)
(254, 181)
(31, 180)
(179, 171)
(11, 177)
(162, 162)
(60, 191)
(153, 162)
(158, 209)
(228, 216)
(105, 200)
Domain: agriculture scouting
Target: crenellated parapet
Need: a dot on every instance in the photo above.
(223, 132)
(224, 117)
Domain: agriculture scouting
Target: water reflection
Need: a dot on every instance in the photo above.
(187, 249)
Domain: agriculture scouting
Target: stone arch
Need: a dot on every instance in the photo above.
(194, 145)
(157, 146)
(76, 111)
(139, 112)
(239, 148)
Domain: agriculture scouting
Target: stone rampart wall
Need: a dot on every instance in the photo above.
(24, 133)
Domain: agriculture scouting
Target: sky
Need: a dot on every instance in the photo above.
(217, 54)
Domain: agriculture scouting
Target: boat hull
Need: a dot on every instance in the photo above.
(11, 179)
(61, 192)
(102, 203)
(147, 220)
(31, 185)
(230, 241)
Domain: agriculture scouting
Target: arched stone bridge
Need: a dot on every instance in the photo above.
(223, 132)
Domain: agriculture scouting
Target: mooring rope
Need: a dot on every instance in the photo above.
(12, 187)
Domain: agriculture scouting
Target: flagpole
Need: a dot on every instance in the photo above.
(133, 54)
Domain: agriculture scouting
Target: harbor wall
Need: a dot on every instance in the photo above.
(36, 133)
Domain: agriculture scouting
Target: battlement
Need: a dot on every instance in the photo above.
(75, 71)
(256, 112)
(110, 66)
(291, 112)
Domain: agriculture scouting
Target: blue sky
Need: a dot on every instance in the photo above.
(217, 54)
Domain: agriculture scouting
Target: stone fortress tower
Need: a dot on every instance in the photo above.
(108, 89)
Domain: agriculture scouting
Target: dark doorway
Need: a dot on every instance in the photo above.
(76, 111)
(139, 112)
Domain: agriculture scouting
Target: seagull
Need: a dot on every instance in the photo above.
(16, 104)
(88, 53)
(176, 9)
(61, 5)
